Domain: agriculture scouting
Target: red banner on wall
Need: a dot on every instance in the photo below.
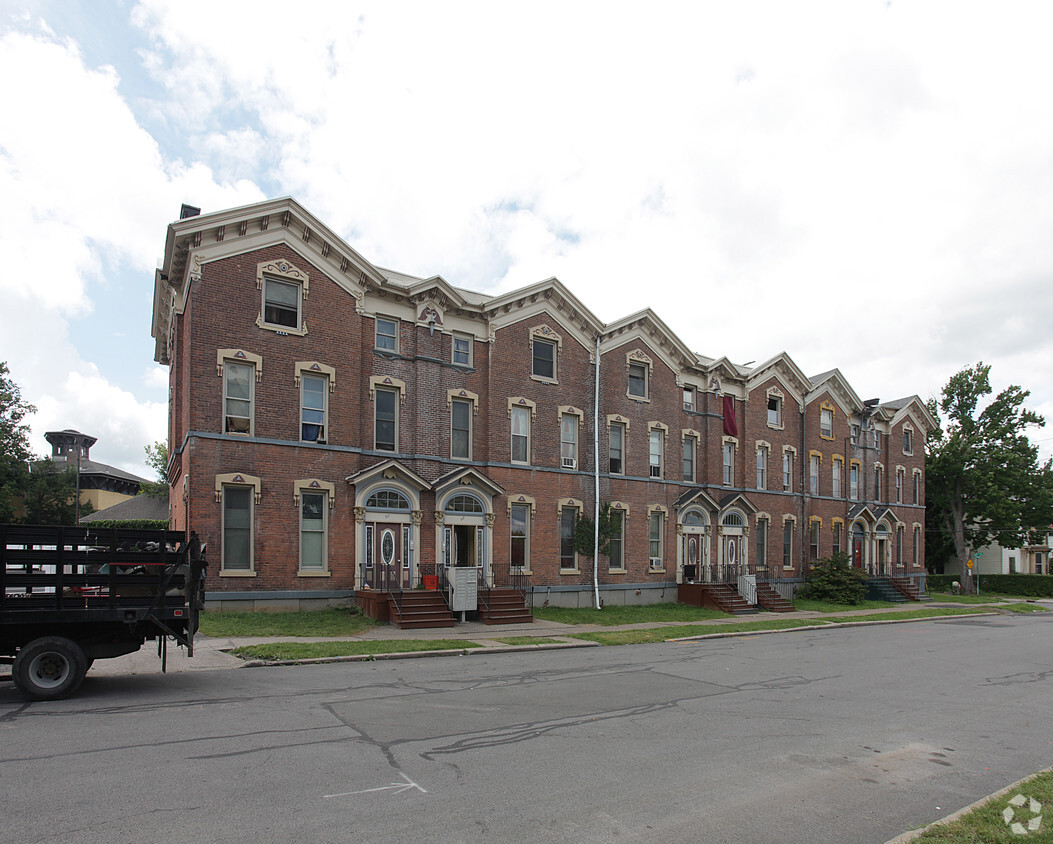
(731, 424)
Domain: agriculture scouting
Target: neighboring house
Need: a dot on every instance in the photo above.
(132, 509)
(1028, 559)
(101, 486)
(335, 425)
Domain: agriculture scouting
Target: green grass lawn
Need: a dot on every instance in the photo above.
(806, 605)
(769, 622)
(335, 621)
(988, 824)
(1021, 608)
(611, 615)
(317, 650)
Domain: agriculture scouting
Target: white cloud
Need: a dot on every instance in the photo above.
(864, 185)
(87, 198)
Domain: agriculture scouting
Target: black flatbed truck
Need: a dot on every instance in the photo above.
(71, 595)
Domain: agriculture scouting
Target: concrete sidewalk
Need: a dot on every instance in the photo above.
(211, 653)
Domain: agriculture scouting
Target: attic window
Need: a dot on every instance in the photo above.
(775, 411)
(281, 303)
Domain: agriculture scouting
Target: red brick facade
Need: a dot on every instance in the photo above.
(296, 493)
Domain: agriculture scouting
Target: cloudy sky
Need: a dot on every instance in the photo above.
(864, 185)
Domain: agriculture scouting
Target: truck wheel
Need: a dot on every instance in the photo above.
(49, 668)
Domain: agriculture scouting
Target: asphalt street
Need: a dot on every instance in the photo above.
(849, 735)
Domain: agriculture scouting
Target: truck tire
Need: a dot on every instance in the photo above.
(49, 668)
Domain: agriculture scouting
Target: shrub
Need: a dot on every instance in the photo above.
(834, 580)
(133, 524)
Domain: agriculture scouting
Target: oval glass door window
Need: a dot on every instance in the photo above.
(732, 552)
(387, 547)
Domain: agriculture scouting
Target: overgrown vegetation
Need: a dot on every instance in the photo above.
(834, 580)
(335, 621)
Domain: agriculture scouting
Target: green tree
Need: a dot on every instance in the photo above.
(14, 444)
(157, 459)
(50, 495)
(983, 480)
(836, 581)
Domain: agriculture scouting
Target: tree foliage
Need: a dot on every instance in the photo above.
(984, 483)
(585, 533)
(157, 459)
(833, 579)
(51, 495)
(14, 444)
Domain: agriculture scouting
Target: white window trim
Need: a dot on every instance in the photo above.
(472, 408)
(788, 452)
(521, 404)
(546, 334)
(315, 370)
(239, 356)
(637, 357)
(775, 393)
(389, 385)
(792, 521)
(617, 419)
(662, 431)
(577, 506)
(319, 487)
(623, 508)
(282, 270)
(238, 479)
(661, 513)
(530, 504)
(377, 335)
(470, 340)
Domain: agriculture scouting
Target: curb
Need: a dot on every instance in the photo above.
(505, 649)
(917, 833)
(729, 634)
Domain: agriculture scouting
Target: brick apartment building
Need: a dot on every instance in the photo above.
(334, 425)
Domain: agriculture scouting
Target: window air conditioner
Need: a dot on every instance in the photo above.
(656, 562)
(570, 463)
(656, 471)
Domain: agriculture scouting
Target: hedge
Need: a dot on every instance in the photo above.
(1028, 585)
(134, 524)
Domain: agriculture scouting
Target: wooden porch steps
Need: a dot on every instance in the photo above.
(771, 600)
(418, 608)
(503, 605)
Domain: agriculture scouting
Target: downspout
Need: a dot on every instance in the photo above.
(596, 477)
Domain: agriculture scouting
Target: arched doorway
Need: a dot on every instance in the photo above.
(387, 541)
(732, 560)
(881, 549)
(858, 545)
(466, 533)
(694, 546)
